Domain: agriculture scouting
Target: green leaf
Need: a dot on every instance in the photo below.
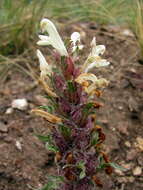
(45, 138)
(87, 107)
(81, 165)
(54, 182)
(82, 174)
(102, 163)
(66, 131)
(51, 147)
(55, 70)
(56, 178)
(94, 138)
(49, 144)
(116, 166)
(71, 86)
(50, 109)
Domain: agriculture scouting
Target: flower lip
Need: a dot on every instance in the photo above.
(45, 23)
(44, 66)
(53, 39)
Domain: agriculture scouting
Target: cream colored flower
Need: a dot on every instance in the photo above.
(75, 39)
(86, 77)
(53, 39)
(45, 68)
(90, 82)
(96, 50)
(94, 59)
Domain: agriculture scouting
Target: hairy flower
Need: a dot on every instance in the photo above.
(53, 39)
(94, 59)
(90, 82)
(45, 68)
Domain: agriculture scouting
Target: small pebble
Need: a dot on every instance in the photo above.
(18, 145)
(128, 144)
(127, 32)
(137, 171)
(3, 127)
(9, 111)
(119, 172)
(131, 179)
(20, 104)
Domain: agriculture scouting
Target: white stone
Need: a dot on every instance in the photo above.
(127, 32)
(20, 104)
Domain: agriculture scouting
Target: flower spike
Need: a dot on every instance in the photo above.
(71, 111)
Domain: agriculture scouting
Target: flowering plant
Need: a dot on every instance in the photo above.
(75, 137)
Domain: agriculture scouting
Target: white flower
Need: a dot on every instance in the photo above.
(44, 66)
(53, 39)
(96, 50)
(75, 39)
(94, 59)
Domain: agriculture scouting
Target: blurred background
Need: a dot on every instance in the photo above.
(118, 24)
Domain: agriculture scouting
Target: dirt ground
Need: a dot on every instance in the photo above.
(26, 167)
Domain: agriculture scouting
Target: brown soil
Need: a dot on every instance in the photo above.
(121, 118)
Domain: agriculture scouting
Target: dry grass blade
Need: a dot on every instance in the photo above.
(7, 63)
(50, 117)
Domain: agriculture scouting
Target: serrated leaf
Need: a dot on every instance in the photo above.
(116, 166)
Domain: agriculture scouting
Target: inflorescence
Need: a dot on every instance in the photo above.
(75, 136)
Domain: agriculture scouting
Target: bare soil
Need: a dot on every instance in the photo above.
(121, 117)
